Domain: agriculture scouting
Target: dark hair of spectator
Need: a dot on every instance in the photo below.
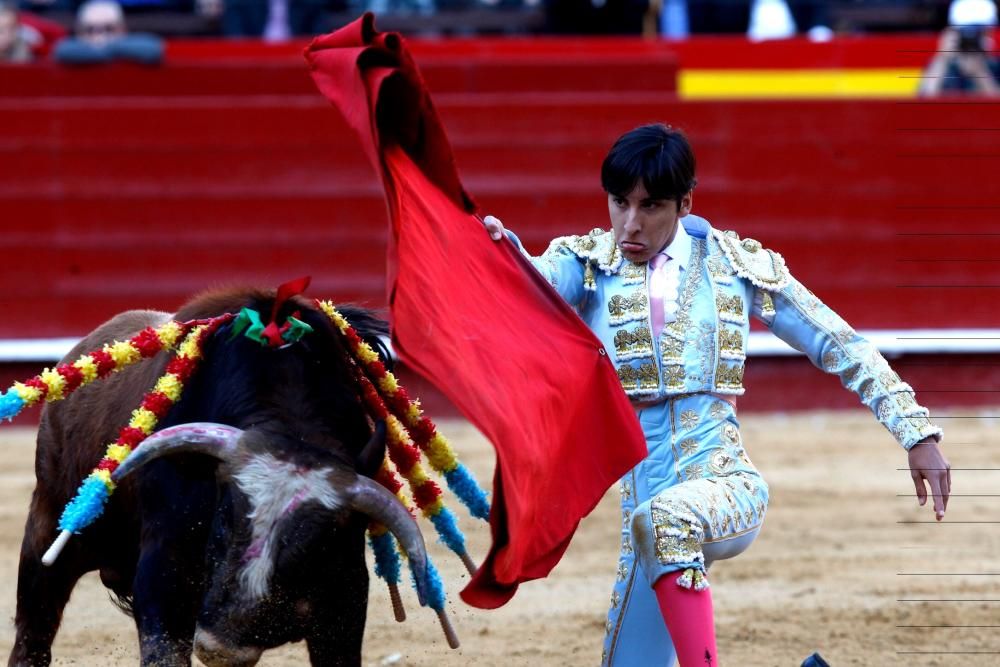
(657, 154)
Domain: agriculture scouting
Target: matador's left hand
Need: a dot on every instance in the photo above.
(928, 463)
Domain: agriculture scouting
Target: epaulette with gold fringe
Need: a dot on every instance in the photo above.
(762, 267)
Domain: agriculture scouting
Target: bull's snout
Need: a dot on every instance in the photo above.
(215, 653)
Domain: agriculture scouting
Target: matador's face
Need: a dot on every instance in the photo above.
(643, 225)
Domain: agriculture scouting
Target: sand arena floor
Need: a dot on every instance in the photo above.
(833, 569)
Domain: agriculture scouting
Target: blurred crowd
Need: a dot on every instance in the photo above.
(94, 31)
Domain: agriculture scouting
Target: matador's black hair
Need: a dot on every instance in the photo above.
(658, 155)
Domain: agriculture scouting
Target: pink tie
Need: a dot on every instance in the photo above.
(657, 285)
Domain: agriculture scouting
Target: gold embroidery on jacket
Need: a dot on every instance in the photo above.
(767, 304)
(589, 283)
(629, 378)
(649, 379)
(632, 344)
(673, 376)
(624, 309)
(729, 377)
(633, 274)
(730, 308)
(672, 349)
(731, 344)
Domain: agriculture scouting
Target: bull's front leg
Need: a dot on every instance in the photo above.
(164, 613)
(339, 628)
(169, 580)
(42, 594)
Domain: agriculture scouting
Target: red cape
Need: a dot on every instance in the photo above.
(473, 317)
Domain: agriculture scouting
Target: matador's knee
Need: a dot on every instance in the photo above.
(667, 537)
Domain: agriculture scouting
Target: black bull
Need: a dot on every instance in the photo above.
(233, 540)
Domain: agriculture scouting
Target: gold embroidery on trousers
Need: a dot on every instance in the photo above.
(689, 419)
(678, 532)
(721, 462)
(694, 471)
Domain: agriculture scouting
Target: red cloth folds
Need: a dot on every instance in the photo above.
(473, 317)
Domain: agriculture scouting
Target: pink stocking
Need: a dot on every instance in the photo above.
(688, 615)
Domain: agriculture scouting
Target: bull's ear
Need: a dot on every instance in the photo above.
(382, 345)
(373, 453)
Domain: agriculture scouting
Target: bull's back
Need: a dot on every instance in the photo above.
(74, 432)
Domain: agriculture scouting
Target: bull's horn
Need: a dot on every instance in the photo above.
(371, 498)
(216, 440)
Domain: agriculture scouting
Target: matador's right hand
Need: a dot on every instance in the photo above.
(494, 227)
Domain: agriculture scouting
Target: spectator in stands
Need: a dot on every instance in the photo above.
(272, 20)
(759, 19)
(14, 48)
(964, 63)
(778, 19)
(41, 34)
(419, 6)
(101, 37)
(596, 17)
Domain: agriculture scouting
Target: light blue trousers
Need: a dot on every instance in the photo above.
(695, 499)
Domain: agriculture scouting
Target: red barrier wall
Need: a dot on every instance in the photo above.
(114, 202)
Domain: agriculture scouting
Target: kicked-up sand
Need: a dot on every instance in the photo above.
(846, 564)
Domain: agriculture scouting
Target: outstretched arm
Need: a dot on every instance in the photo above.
(795, 315)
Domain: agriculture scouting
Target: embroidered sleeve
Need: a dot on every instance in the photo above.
(796, 316)
(561, 268)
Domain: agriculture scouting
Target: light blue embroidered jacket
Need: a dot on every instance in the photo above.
(726, 280)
